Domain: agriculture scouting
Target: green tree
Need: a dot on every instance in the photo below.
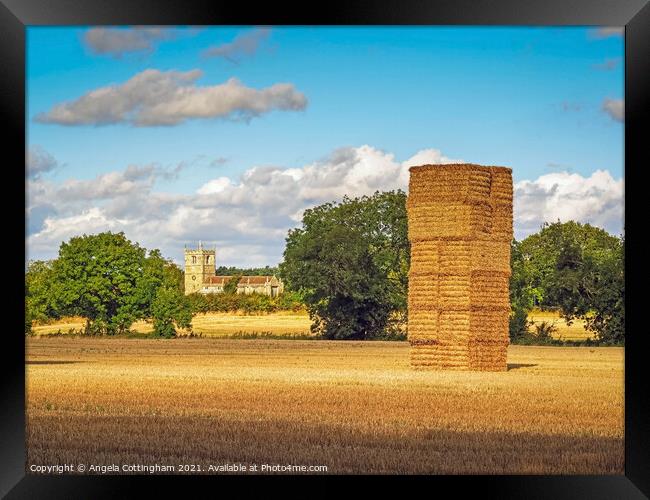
(549, 249)
(40, 293)
(589, 283)
(523, 295)
(111, 282)
(290, 301)
(349, 261)
(99, 277)
(170, 309)
(157, 271)
(230, 287)
(575, 267)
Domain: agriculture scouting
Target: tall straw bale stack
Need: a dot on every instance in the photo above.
(460, 229)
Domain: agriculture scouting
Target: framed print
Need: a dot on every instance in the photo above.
(365, 241)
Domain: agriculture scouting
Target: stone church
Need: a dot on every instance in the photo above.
(200, 276)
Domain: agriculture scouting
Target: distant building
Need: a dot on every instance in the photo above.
(200, 276)
(267, 285)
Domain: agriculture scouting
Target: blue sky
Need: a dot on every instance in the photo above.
(546, 102)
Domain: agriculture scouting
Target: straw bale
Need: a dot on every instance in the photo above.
(424, 257)
(429, 221)
(428, 363)
(459, 256)
(439, 358)
(490, 255)
(460, 228)
(455, 257)
(423, 284)
(489, 289)
(423, 325)
(489, 325)
(464, 183)
(501, 190)
(488, 356)
(440, 327)
(454, 290)
(478, 289)
(502, 223)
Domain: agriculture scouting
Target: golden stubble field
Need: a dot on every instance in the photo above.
(210, 325)
(356, 407)
(284, 324)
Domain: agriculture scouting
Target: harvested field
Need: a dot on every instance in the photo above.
(224, 324)
(214, 324)
(575, 331)
(356, 407)
(229, 324)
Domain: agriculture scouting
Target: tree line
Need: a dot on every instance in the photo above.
(109, 281)
(350, 262)
(113, 282)
(254, 303)
(575, 268)
(347, 264)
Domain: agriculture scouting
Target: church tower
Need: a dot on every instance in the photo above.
(199, 267)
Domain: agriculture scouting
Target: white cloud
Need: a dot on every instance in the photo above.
(39, 161)
(119, 194)
(615, 108)
(215, 186)
(597, 199)
(244, 44)
(110, 185)
(248, 218)
(118, 41)
(55, 230)
(154, 97)
(429, 157)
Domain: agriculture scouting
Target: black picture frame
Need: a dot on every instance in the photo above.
(15, 15)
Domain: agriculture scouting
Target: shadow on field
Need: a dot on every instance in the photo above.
(34, 362)
(515, 366)
(344, 449)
